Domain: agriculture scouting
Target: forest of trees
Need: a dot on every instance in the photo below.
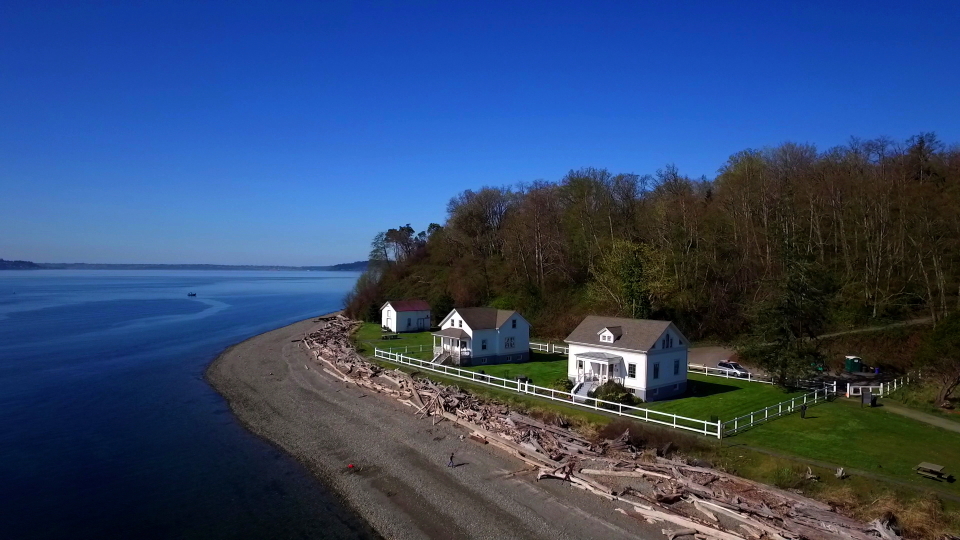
(785, 242)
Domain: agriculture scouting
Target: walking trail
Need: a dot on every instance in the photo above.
(927, 418)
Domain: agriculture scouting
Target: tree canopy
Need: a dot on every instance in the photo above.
(784, 242)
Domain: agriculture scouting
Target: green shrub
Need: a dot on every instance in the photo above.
(789, 477)
(615, 392)
(563, 384)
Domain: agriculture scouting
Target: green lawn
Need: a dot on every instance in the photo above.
(868, 439)
(542, 368)
(707, 396)
(726, 398)
(368, 338)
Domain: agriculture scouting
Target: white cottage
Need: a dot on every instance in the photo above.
(648, 357)
(476, 336)
(405, 315)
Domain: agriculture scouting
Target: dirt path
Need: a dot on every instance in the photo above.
(911, 322)
(919, 416)
(400, 483)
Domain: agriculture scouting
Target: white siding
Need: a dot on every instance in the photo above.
(491, 337)
(520, 335)
(404, 321)
(454, 320)
(388, 314)
(407, 321)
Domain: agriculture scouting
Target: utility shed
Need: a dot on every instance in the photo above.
(405, 315)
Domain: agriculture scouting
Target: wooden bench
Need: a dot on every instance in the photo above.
(931, 470)
(390, 336)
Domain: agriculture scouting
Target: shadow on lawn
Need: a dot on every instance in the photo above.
(705, 389)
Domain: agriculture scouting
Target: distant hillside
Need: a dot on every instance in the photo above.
(358, 266)
(18, 265)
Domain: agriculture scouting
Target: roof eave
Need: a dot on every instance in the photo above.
(604, 346)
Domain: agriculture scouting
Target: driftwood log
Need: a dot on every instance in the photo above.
(711, 503)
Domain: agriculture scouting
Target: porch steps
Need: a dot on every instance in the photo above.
(441, 358)
(583, 389)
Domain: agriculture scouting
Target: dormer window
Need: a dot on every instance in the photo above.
(610, 334)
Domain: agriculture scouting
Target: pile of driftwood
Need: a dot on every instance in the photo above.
(694, 499)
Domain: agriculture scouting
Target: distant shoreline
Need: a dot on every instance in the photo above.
(357, 266)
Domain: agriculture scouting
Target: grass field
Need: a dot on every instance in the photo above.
(726, 398)
(368, 338)
(872, 440)
(707, 396)
(543, 369)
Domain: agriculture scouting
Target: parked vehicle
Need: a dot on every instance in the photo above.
(733, 369)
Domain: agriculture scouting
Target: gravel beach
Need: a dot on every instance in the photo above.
(400, 482)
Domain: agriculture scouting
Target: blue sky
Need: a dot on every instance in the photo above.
(291, 132)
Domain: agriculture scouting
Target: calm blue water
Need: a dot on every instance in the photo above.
(107, 428)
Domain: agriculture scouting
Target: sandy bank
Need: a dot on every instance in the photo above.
(403, 488)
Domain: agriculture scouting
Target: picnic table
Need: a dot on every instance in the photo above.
(390, 336)
(931, 470)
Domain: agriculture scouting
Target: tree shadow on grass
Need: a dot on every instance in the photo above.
(706, 389)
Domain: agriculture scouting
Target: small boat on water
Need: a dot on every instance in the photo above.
(191, 294)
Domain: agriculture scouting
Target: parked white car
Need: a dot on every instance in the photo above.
(733, 369)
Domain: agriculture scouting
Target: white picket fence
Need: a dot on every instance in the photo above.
(549, 348)
(728, 374)
(783, 408)
(882, 389)
(711, 429)
(407, 349)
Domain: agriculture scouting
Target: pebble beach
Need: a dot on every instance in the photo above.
(392, 467)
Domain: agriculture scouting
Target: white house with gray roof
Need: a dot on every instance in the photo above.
(648, 357)
(478, 336)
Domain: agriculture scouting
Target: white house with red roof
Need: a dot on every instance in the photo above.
(405, 315)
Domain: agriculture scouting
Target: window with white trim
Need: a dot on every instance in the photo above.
(606, 337)
(632, 371)
(509, 342)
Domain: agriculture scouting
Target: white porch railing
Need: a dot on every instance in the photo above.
(712, 429)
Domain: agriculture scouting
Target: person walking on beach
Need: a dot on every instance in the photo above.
(450, 463)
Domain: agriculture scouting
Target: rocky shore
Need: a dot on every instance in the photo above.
(400, 482)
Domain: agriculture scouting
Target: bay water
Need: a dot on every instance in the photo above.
(107, 427)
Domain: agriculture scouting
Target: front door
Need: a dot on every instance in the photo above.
(420, 324)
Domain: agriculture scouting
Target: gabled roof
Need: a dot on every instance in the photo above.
(407, 305)
(485, 318)
(636, 334)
